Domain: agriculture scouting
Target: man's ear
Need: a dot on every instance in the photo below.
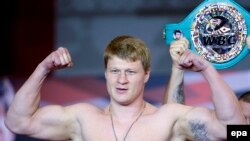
(105, 73)
(147, 75)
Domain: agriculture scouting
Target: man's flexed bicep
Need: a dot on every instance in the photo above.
(50, 122)
(200, 124)
(25, 104)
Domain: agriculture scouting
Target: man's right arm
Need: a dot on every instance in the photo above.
(26, 117)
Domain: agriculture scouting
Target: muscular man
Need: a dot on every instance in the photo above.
(128, 117)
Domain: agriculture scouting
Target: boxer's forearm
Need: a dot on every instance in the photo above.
(175, 88)
(226, 104)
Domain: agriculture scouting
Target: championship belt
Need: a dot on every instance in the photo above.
(216, 30)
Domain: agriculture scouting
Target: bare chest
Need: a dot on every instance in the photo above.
(142, 130)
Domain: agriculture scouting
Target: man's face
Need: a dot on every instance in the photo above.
(177, 35)
(125, 80)
(246, 110)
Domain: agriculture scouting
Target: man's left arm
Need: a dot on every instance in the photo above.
(201, 123)
(226, 104)
(227, 108)
(174, 92)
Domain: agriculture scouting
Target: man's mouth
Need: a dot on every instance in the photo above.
(121, 90)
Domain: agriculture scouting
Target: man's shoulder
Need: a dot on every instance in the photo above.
(171, 111)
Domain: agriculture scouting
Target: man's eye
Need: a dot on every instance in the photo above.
(114, 71)
(131, 72)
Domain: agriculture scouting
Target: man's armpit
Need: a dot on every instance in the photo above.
(199, 130)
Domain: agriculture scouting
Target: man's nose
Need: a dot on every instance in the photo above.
(122, 78)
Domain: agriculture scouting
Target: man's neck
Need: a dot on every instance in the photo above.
(126, 112)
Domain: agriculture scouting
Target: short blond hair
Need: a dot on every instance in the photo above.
(128, 48)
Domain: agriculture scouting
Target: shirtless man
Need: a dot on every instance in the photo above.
(128, 117)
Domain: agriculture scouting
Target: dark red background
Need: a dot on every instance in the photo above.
(27, 30)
